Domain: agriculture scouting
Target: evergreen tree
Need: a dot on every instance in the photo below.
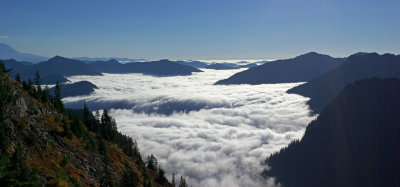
(76, 126)
(161, 179)
(37, 79)
(173, 180)
(30, 87)
(129, 178)
(101, 145)
(88, 118)
(182, 183)
(38, 88)
(3, 68)
(151, 162)
(58, 104)
(5, 174)
(18, 172)
(18, 78)
(67, 129)
(5, 98)
(25, 86)
(108, 126)
(106, 179)
(46, 95)
(30, 83)
(4, 132)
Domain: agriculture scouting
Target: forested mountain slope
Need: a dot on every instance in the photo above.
(41, 144)
(354, 142)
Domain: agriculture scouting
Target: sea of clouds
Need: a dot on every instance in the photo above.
(214, 135)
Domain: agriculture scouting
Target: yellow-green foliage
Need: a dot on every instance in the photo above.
(55, 125)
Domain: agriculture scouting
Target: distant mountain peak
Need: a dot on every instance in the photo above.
(312, 55)
(5, 46)
(58, 59)
(113, 61)
(360, 54)
(165, 60)
(7, 52)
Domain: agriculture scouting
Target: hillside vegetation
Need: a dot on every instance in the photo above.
(43, 144)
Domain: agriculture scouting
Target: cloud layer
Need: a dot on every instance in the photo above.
(214, 135)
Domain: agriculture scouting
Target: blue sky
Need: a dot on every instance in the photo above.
(200, 29)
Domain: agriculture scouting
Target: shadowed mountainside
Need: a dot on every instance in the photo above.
(52, 70)
(323, 89)
(219, 66)
(65, 67)
(76, 89)
(56, 68)
(195, 64)
(53, 78)
(158, 68)
(354, 142)
(300, 69)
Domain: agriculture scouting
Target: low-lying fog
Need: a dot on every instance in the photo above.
(214, 135)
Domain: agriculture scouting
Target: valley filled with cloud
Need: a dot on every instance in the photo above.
(214, 135)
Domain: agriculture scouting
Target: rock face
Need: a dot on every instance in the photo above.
(63, 158)
(300, 69)
(354, 142)
(323, 89)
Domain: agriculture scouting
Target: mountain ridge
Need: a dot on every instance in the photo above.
(353, 142)
(299, 69)
(158, 68)
(324, 88)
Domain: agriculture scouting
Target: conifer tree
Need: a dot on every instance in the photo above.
(3, 68)
(88, 118)
(173, 180)
(151, 162)
(58, 104)
(38, 88)
(106, 179)
(37, 79)
(19, 173)
(30, 87)
(182, 183)
(46, 94)
(108, 126)
(129, 178)
(5, 98)
(18, 78)
(161, 179)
